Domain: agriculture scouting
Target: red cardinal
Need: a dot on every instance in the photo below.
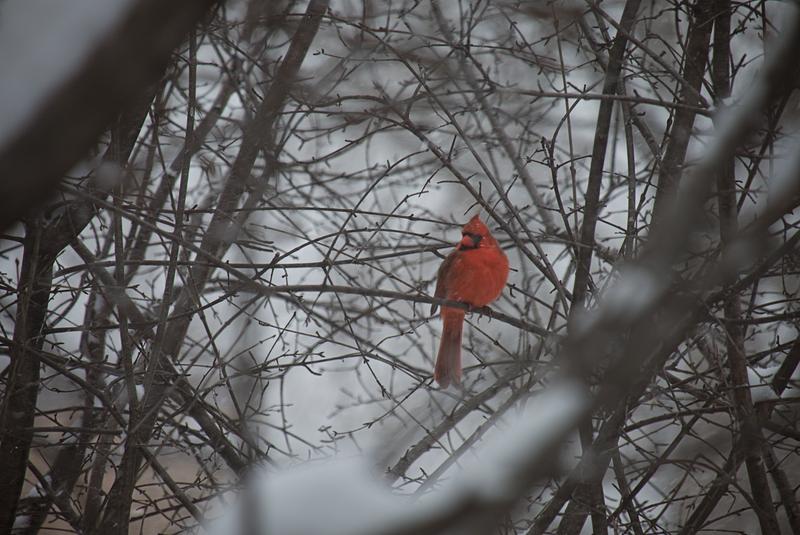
(474, 273)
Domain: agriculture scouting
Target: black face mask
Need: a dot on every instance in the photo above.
(469, 241)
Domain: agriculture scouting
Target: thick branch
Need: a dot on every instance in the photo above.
(131, 57)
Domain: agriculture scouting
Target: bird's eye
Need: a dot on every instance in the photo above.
(476, 238)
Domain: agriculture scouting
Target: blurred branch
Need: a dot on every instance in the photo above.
(694, 66)
(130, 58)
(158, 383)
(22, 389)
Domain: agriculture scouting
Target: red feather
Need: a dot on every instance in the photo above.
(475, 273)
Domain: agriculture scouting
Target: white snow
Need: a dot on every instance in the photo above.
(338, 497)
(22, 522)
(637, 289)
(546, 419)
(108, 175)
(347, 497)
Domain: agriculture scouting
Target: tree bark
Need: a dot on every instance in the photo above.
(19, 405)
(694, 67)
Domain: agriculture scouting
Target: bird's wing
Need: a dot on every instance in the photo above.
(441, 278)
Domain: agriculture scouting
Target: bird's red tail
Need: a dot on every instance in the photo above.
(448, 362)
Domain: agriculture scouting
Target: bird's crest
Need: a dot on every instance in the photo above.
(476, 226)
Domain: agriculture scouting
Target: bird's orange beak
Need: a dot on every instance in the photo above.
(468, 241)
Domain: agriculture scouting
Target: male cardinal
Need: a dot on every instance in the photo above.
(474, 273)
